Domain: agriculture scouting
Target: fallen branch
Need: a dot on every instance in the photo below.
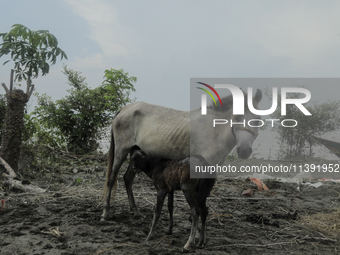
(319, 239)
(8, 168)
(248, 245)
(11, 182)
(249, 198)
(16, 184)
(159, 242)
(53, 231)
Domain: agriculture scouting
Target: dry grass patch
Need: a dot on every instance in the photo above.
(326, 223)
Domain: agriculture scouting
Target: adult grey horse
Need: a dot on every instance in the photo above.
(163, 132)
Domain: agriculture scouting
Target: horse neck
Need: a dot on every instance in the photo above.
(219, 139)
(222, 115)
(226, 129)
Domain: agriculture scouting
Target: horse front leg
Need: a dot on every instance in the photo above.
(129, 176)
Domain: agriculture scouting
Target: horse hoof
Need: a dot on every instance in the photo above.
(104, 218)
(200, 246)
(185, 250)
(108, 218)
(138, 216)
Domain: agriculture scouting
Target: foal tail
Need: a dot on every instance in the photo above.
(109, 169)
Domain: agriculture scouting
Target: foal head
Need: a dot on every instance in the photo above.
(139, 160)
(144, 163)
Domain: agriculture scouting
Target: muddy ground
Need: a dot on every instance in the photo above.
(66, 219)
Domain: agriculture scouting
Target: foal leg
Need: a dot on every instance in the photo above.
(203, 234)
(194, 217)
(161, 194)
(171, 211)
(191, 240)
(129, 176)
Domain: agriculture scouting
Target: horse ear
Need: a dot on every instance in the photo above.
(258, 96)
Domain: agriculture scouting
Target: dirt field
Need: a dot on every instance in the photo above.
(66, 219)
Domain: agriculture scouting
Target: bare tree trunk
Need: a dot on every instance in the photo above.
(14, 122)
(13, 127)
(310, 141)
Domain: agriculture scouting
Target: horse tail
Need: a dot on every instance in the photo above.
(109, 167)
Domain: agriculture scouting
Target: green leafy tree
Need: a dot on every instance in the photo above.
(82, 116)
(119, 86)
(32, 52)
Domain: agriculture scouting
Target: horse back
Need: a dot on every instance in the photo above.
(156, 130)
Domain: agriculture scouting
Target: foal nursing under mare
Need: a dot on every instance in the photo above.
(171, 175)
(165, 133)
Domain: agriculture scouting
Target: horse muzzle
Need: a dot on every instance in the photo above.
(244, 152)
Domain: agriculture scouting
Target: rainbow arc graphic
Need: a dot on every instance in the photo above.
(209, 93)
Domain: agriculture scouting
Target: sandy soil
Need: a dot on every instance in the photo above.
(66, 219)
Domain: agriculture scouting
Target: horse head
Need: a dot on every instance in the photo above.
(246, 133)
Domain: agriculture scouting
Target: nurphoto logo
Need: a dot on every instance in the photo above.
(238, 104)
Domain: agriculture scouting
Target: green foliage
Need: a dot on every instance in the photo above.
(79, 181)
(30, 50)
(298, 141)
(119, 85)
(79, 119)
(39, 132)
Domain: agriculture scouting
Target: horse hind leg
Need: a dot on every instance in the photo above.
(111, 181)
(129, 176)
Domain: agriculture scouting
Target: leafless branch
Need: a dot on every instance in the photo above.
(5, 87)
(28, 84)
(30, 92)
(11, 81)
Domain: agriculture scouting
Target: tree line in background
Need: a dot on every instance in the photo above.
(300, 140)
(76, 122)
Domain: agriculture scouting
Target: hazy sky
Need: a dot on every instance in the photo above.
(165, 43)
